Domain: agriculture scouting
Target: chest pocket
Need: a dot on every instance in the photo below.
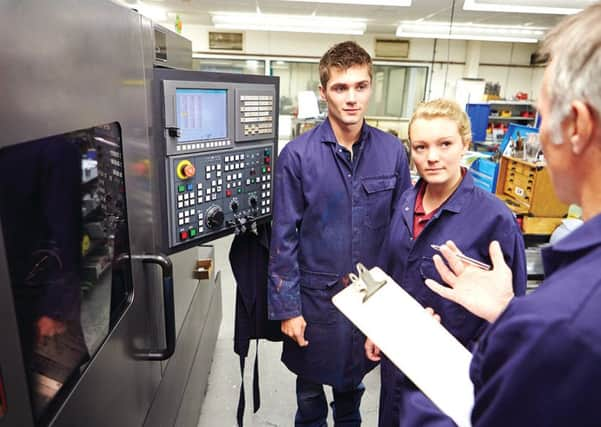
(378, 199)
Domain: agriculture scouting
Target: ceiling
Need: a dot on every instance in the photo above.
(380, 19)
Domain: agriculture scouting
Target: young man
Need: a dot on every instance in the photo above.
(336, 186)
(539, 364)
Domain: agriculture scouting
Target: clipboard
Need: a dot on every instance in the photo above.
(412, 339)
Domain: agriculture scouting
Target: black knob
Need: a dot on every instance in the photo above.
(214, 217)
(234, 205)
(253, 202)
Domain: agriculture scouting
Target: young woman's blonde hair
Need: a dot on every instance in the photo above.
(446, 108)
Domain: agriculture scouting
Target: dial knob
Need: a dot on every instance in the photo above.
(214, 217)
(234, 205)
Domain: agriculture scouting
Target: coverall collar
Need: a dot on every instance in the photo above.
(453, 204)
(584, 237)
(327, 135)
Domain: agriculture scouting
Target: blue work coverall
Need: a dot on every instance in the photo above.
(539, 364)
(329, 214)
(472, 218)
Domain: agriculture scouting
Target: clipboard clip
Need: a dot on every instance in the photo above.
(367, 284)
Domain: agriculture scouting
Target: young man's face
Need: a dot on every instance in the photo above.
(347, 94)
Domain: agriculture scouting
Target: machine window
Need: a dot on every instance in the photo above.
(64, 223)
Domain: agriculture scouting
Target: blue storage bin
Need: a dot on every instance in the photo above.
(478, 114)
(485, 173)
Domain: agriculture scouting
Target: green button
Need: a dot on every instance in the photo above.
(264, 169)
(252, 180)
(192, 232)
(267, 152)
(239, 190)
(181, 188)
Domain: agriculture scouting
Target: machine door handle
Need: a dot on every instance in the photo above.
(168, 305)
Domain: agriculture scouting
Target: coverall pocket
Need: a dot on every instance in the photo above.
(317, 290)
(378, 201)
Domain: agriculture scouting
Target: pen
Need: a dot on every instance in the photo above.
(466, 259)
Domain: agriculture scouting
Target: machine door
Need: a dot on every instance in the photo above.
(70, 280)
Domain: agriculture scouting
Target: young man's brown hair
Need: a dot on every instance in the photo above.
(344, 56)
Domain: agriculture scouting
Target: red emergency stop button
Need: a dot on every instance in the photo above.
(185, 169)
(183, 235)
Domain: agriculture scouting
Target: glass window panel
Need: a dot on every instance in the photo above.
(63, 213)
(397, 89)
(237, 66)
(296, 77)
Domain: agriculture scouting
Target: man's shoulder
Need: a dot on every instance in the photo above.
(382, 137)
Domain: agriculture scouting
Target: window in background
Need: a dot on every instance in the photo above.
(236, 66)
(296, 77)
(397, 88)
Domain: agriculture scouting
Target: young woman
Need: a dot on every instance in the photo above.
(443, 205)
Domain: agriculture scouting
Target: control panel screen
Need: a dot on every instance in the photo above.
(201, 114)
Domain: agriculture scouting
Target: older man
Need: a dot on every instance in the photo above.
(539, 364)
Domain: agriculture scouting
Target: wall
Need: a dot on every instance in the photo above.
(506, 63)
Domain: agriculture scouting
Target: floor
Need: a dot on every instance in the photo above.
(277, 383)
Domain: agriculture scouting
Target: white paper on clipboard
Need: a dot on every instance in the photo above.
(414, 341)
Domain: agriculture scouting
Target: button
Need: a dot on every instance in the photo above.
(267, 160)
(199, 186)
(264, 169)
(181, 188)
(183, 235)
(228, 193)
(239, 190)
(190, 187)
(268, 169)
(192, 232)
(180, 215)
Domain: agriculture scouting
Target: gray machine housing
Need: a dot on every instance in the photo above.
(75, 64)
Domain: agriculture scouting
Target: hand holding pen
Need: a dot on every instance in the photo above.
(466, 259)
(485, 293)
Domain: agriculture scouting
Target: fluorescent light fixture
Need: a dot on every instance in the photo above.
(550, 7)
(396, 3)
(442, 30)
(292, 23)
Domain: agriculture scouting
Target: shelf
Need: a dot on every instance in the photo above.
(499, 102)
(510, 118)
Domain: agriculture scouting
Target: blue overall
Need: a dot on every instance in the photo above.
(472, 218)
(539, 364)
(329, 214)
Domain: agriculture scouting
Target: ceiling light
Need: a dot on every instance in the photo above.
(551, 7)
(442, 30)
(291, 23)
(396, 3)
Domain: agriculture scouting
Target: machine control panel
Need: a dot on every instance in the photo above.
(218, 134)
(211, 193)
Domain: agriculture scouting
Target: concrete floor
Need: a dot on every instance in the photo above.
(278, 403)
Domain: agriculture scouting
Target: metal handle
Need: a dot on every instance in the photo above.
(168, 306)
